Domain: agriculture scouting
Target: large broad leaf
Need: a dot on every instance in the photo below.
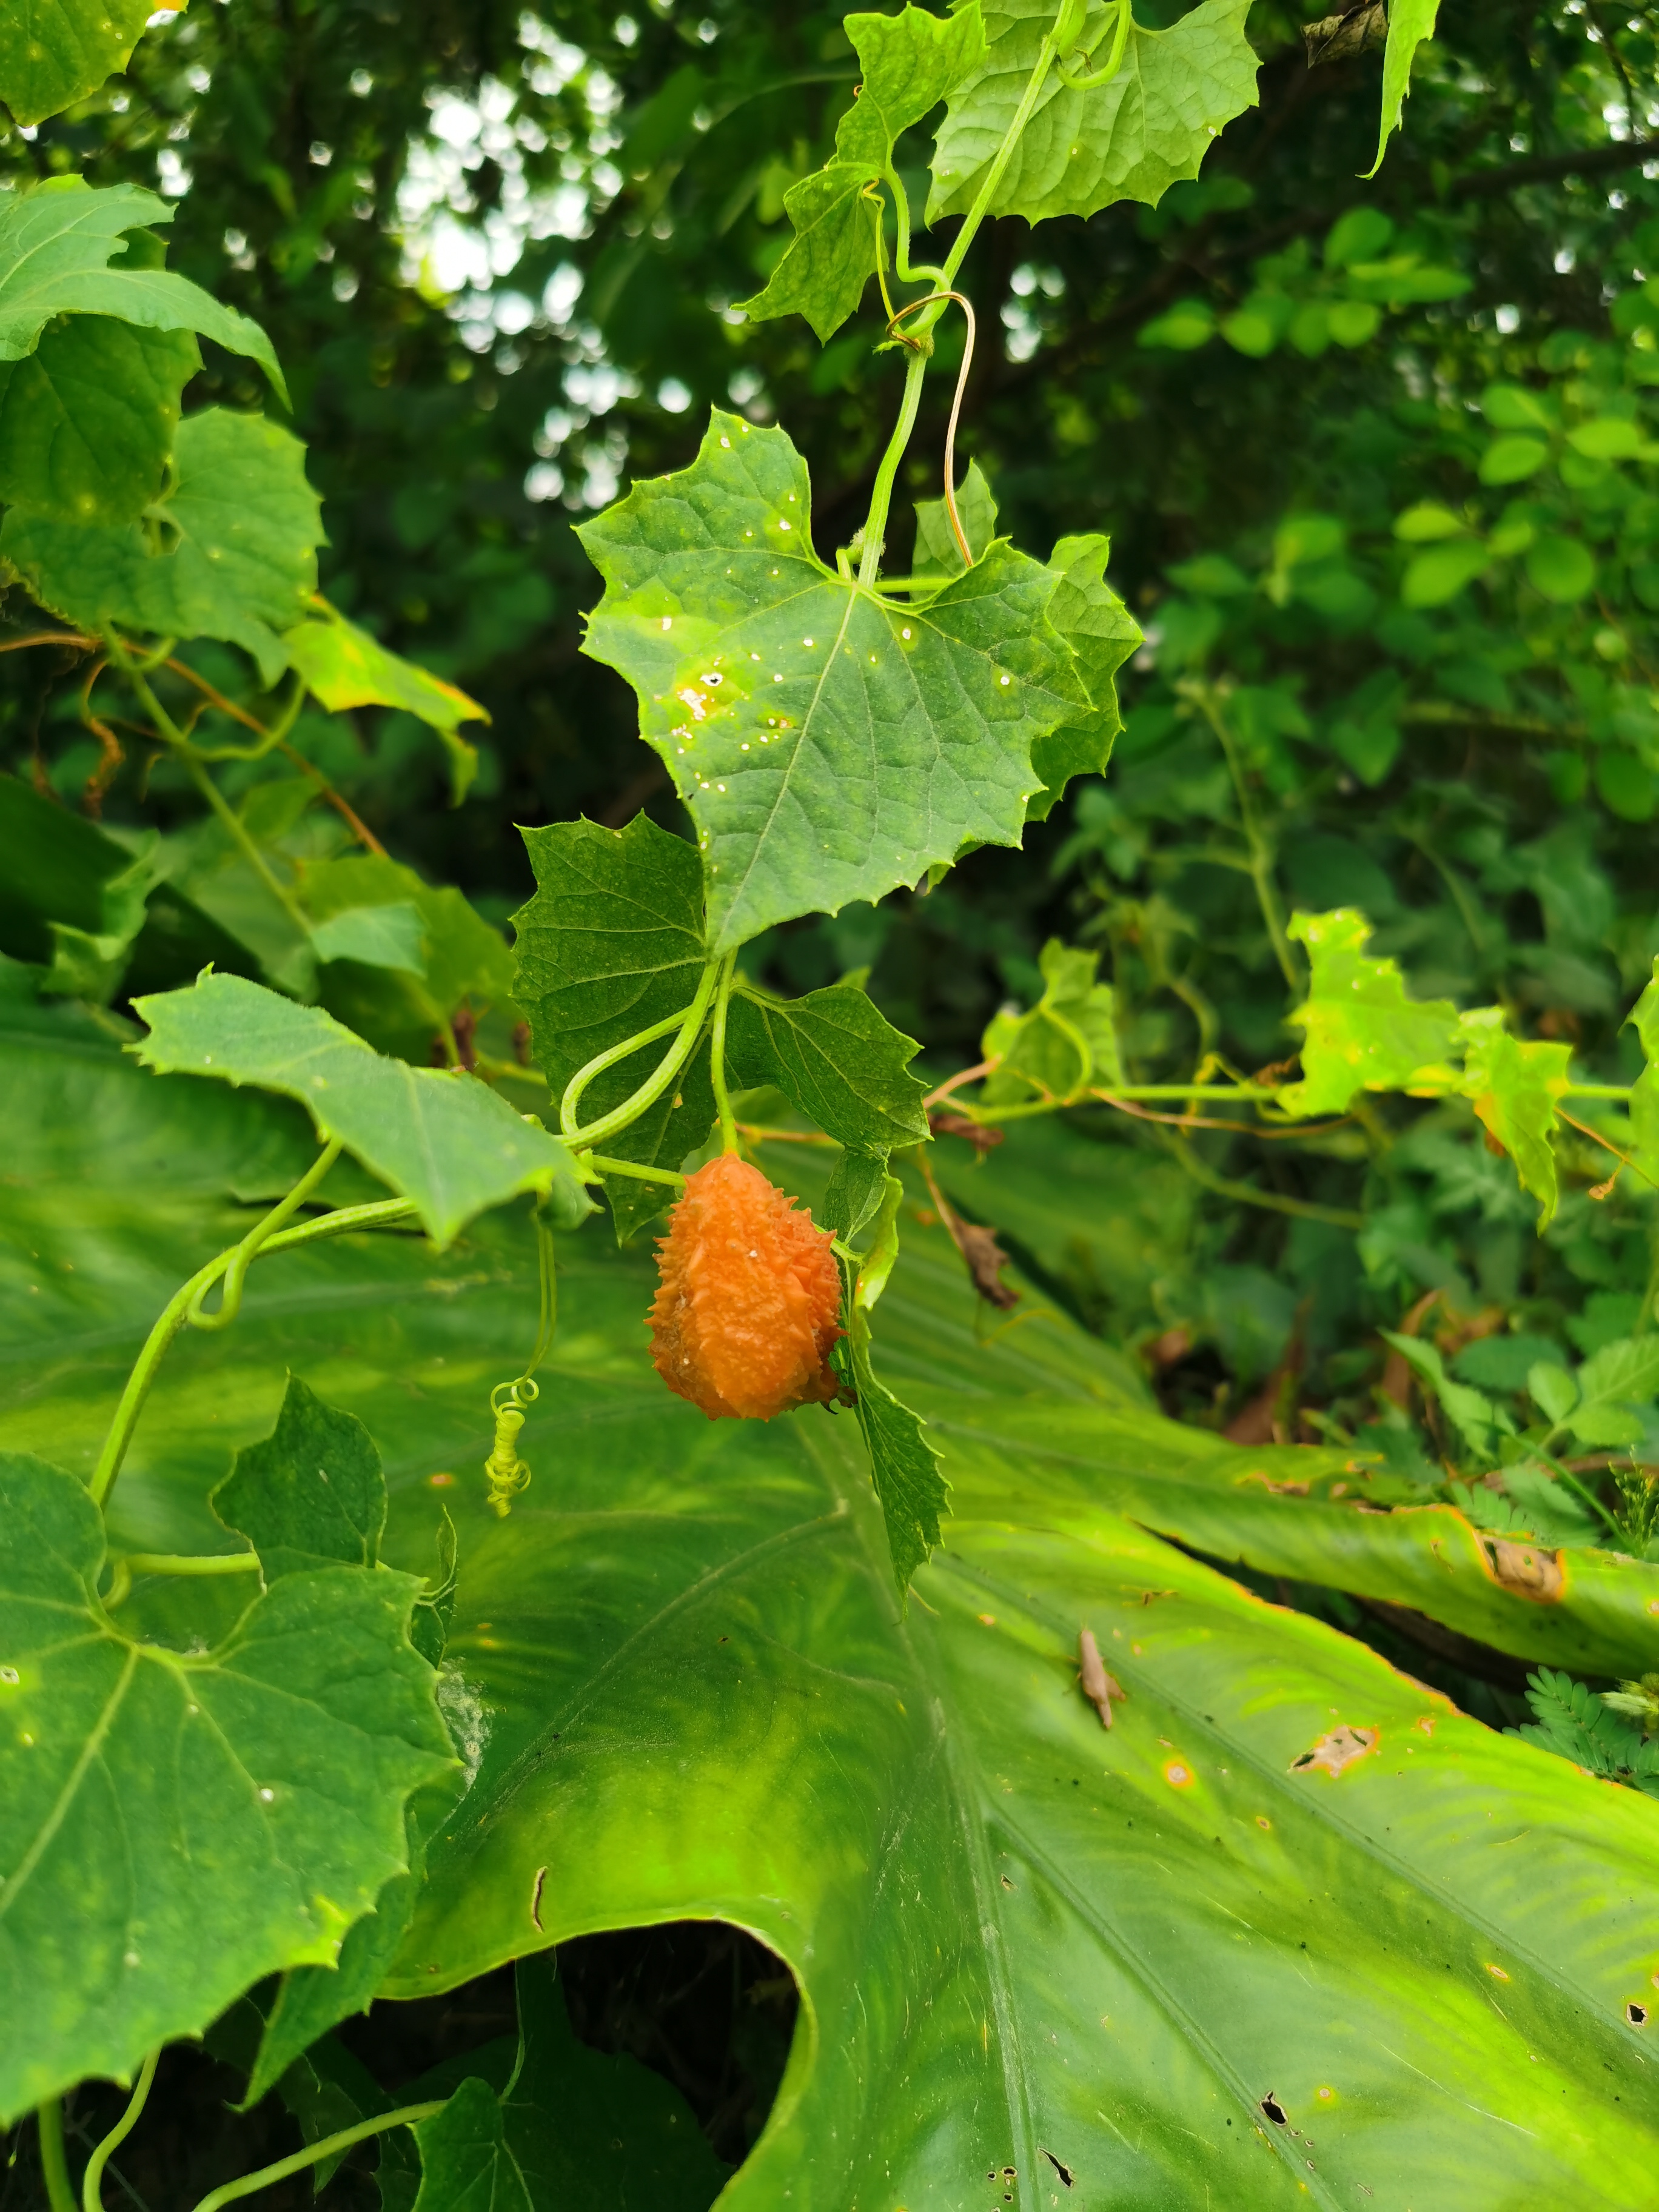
(57, 246)
(909, 63)
(53, 53)
(174, 1824)
(344, 667)
(1131, 138)
(237, 556)
(443, 1140)
(1288, 1891)
(828, 746)
(86, 421)
(1360, 1030)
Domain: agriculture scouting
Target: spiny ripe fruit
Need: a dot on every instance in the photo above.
(750, 1298)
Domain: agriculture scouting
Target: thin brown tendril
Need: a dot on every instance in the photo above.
(955, 1081)
(1237, 1128)
(342, 806)
(903, 337)
(48, 637)
(110, 751)
(1605, 1190)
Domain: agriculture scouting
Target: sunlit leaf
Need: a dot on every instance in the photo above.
(1516, 1086)
(1410, 23)
(1130, 138)
(53, 53)
(1361, 1031)
(344, 667)
(64, 251)
(444, 1140)
(1103, 633)
(827, 745)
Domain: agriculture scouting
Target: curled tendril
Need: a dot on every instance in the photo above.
(897, 336)
(505, 1473)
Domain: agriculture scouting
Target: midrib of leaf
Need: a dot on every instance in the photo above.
(77, 1774)
(1137, 1967)
(1280, 1785)
(806, 725)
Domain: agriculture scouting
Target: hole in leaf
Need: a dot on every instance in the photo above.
(1636, 2014)
(1274, 2111)
(1064, 2171)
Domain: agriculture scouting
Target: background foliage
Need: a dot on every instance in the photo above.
(1377, 464)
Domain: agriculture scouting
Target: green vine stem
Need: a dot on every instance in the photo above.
(881, 496)
(91, 2182)
(688, 1026)
(608, 1167)
(408, 2116)
(176, 1313)
(1207, 702)
(717, 1056)
(130, 1565)
(192, 763)
(54, 2159)
(230, 1301)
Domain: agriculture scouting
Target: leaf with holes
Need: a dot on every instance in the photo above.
(829, 744)
(442, 1140)
(174, 1825)
(237, 559)
(57, 243)
(909, 63)
(1516, 1086)
(1130, 138)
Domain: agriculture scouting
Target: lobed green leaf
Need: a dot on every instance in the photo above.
(1361, 1031)
(174, 1825)
(57, 243)
(1131, 138)
(443, 1140)
(910, 62)
(53, 53)
(829, 744)
(237, 556)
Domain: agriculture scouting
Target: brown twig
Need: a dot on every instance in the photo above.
(49, 637)
(955, 1081)
(337, 799)
(1237, 1128)
(1603, 1190)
